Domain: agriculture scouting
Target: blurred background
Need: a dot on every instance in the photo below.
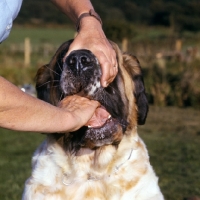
(165, 36)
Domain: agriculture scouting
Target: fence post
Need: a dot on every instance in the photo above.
(178, 45)
(124, 44)
(27, 51)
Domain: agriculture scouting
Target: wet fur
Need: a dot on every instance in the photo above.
(63, 168)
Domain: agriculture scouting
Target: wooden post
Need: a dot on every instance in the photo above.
(124, 44)
(178, 45)
(27, 51)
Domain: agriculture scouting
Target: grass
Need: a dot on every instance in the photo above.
(44, 43)
(172, 136)
(37, 36)
(16, 149)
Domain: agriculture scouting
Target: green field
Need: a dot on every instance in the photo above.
(44, 43)
(37, 36)
(172, 137)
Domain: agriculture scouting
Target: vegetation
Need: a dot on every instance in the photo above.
(171, 77)
(16, 149)
(179, 15)
(43, 47)
(172, 136)
(176, 84)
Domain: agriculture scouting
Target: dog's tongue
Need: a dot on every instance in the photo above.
(99, 118)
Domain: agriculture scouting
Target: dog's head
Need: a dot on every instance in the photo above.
(80, 73)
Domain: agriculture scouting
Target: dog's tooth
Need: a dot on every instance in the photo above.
(89, 126)
(109, 116)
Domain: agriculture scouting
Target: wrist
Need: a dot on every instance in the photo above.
(87, 17)
(89, 23)
(70, 122)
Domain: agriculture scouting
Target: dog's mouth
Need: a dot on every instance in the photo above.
(102, 129)
(99, 119)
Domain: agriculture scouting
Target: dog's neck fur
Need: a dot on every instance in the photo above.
(95, 164)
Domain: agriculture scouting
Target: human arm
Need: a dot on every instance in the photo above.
(90, 36)
(20, 111)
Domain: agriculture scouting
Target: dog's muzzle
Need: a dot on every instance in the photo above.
(81, 75)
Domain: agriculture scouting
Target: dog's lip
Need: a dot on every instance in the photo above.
(100, 124)
(99, 119)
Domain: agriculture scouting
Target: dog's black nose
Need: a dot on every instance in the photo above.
(80, 60)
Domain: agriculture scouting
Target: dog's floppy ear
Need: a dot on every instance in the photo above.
(43, 83)
(132, 66)
(48, 76)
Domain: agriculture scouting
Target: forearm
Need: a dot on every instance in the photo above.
(19, 111)
(73, 8)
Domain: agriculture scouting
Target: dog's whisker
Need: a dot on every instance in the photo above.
(48, 82)
(61, 96)
(59, 66)
(52, 70)
(114, 89)
(123, 124)
(104, 97)
(55, 86)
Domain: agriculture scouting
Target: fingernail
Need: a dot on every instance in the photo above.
(105, 84)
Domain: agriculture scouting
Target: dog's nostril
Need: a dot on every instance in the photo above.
(72, 61)
(82, 59)
(85, 60)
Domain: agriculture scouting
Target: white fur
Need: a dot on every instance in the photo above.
(93, 175)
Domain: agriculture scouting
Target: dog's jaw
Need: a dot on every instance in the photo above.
(97, 137)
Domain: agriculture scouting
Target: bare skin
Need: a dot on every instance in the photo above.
(81, 109)
(90, 36)
(23, 112)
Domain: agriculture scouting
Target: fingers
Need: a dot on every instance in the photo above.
(74, 102)
(74, 46)
(79, 109)
(106, 57)
(97, 43)
(109, 67)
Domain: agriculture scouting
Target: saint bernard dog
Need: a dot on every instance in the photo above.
(106, 162)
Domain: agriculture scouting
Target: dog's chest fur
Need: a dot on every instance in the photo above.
(107, 173)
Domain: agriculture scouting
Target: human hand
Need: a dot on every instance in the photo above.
(92, 37)
(80, 110)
